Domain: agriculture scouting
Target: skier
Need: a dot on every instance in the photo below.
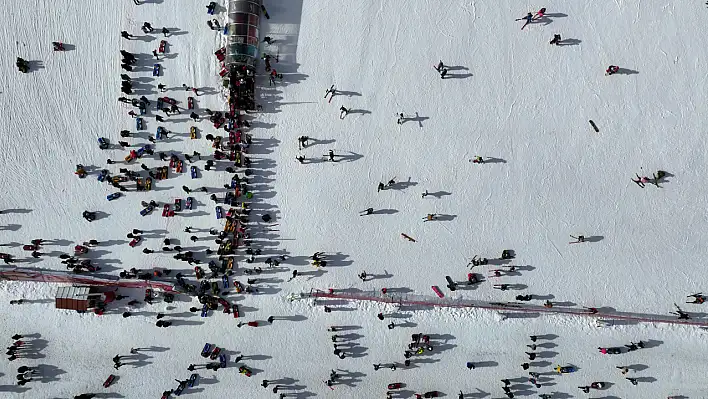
(367, 211)
(612, 69)
(556, 40)
(528, 18)
(331, 155)
(343, 112)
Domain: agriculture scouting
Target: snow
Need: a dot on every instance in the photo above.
(509, 96)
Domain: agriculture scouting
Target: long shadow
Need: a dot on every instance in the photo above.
(626, 71)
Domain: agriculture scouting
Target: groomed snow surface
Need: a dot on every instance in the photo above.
(509, 95)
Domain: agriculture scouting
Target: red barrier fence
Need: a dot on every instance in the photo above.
(421, 300)
(51, 276)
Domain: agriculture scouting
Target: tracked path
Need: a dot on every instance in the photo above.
(421, 300)
(52, 276)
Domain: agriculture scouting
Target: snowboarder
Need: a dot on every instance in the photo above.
(632, 380)
(539, 14)
(302, 142)
(331, 155)
(362, 276)
(443, 73)
(440, 66)
(401, 119)
(612, 69)
(165, 31)
(380, 187)
(147, 28)
(126, 35)
(194, 116)
(532, 355)
(154, 53)
(623, 369)
(343, 112)
(556, 40)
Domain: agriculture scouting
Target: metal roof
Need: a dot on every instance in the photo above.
(77, 293)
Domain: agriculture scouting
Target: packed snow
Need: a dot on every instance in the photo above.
(509, 97)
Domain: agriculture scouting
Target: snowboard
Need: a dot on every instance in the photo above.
(192, 380)
(329, 91)
(146, 211)
(451, 284)
(594, 126)
(265, 13)
(193, 171)
(225, 281)
(109, 381)
(222, 360)
(207, 350)
(437, 291)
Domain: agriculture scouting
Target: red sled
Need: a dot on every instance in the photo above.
(161, 49)
(395, 385)
(170, 101)
(236, 312)
(190, 102)
(437, 291)
(135, 241)
(166, 210)
(30, 247)
(109, 381)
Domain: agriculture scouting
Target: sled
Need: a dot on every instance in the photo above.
(166, 210)
(564, 369)
(437, 291)
(58, 46)
(192, 380)
(215, 353)
(178, 204)
(158, 104)
(146, 211)
(222, 360)
(160, 132)
(207, 350)
(192, 132)
(205, 310)
(161, 48)
(113, 196)
(597, 385)
(193, 172)
(219, 212)
(220, 54)
(134, 241)
(103, 143)
(139, 123)
(245, 371)
(594, 126)
(395, 385)
(148, 183)
(109, 381)
(190, 102)
(142, 109)
(156, 70)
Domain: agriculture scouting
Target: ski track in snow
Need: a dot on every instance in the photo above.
(527, 102)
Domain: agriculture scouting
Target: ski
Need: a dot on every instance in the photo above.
(437, 291)
(594, 126)
(325, 382)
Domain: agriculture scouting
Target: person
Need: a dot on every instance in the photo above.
(380, 187)
(380, 316)
(632, 380)
(528, 18)
(268, 40)
(623, 369)
(401, 118)
(443, 73)
(165, 31)
(367, 211)
(539, 14)
(611, 70)
(194, 116)
(343, 112)
(437, 68)
(556, 40)
(331, 155)
(147, 27)
(161, 87)
(126, 35)
(470, 365)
